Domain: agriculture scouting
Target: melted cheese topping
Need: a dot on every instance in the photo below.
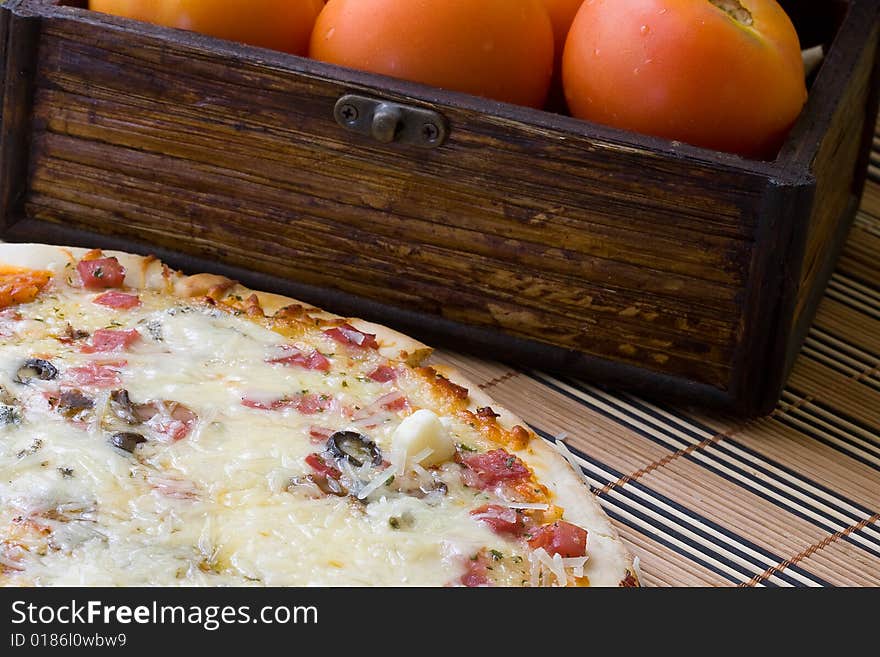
(230, 498)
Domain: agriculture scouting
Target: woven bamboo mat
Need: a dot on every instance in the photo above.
(792, 499)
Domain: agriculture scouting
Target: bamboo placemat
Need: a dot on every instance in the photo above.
(702, 499)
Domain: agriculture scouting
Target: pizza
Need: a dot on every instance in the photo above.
(163, 429)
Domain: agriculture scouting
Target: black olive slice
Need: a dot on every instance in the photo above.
(36, 368)
(356, 448)
(75, 400)
(127, 440)
(122, 407)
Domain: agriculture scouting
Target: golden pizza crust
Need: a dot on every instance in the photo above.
(392, 344)
(570, 490)
(610, 562)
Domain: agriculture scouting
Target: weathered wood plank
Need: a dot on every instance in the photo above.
(99, 139)
(262, 174)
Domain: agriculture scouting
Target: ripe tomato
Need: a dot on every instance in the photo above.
(728, 79)
(140, 10)
(500, 49)
(277, 24)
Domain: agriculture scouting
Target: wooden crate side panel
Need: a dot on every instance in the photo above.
(758, 373)
(839, 168)
(547, 237)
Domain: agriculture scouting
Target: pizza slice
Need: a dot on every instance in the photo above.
(163, 429)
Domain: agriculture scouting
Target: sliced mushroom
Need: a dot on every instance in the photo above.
(73, 402)
(356, 448)
(122, 407)
(127, 440)
(181, 413)
(35, 368)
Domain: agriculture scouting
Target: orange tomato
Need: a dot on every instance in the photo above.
(727, 79)
(140, 10)
(500, 49)
(277, 24)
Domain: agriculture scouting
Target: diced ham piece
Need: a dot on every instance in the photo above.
(477, 572)
(106, 340)
(311, 403)
(502, 519)
(393, 401)
(307, 404)
(173, 430)
(101, 273)
(492, 468)
(293, 357)
(321, 467)
(97, 375)
(170, 419)
(377, 412)
(383, 374)
(348, 335)
(319, 435)
(562, 538)
(262, 405)
(119, 300)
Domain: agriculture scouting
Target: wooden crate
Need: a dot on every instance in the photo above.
(527, 235)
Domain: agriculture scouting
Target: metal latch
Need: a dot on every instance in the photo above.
(389, 122)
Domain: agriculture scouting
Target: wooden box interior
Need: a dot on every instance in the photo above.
(528, 236)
